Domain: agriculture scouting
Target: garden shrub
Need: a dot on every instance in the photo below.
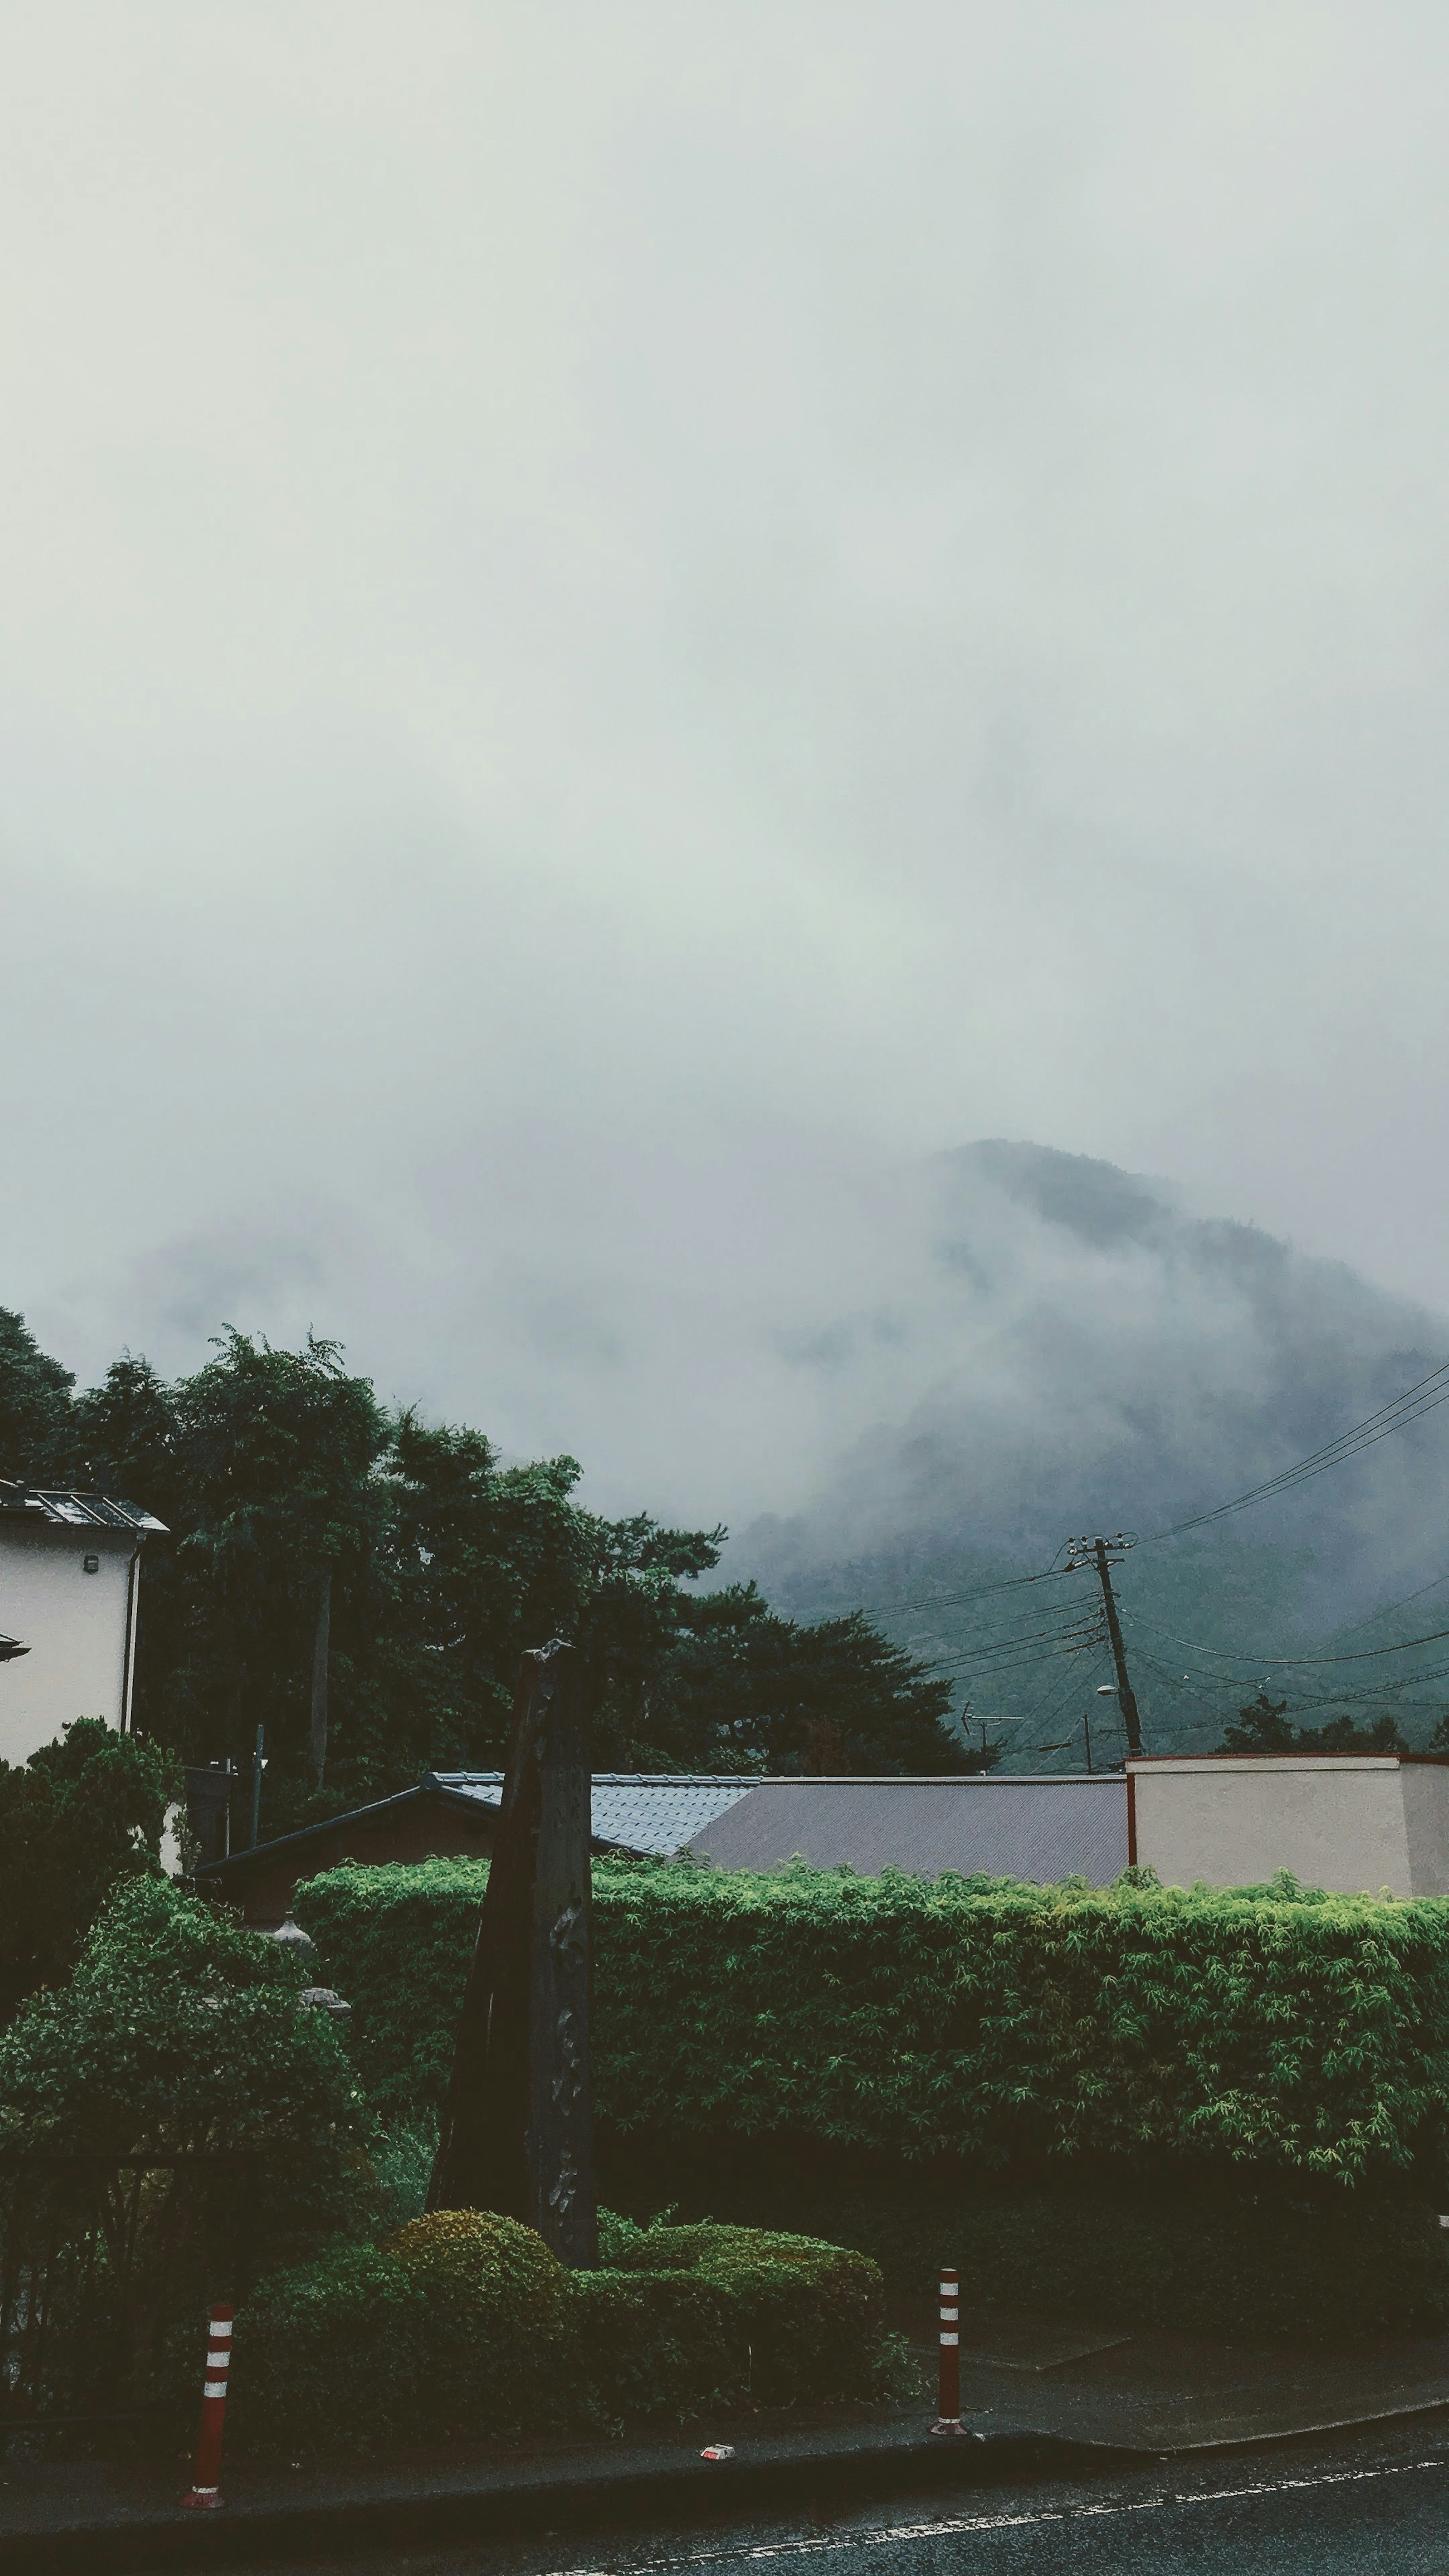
(1276, 2032)
(810, 2313)
(459, 2324)
(655, 2343)
(465, 2323)
(179, 2031)
(334, 2355)
(498, 2300)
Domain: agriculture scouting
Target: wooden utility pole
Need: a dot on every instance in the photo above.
(517, 2128)
(1125, 1697)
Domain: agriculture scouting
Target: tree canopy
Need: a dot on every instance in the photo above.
(1264, 1726)
(313, 1525)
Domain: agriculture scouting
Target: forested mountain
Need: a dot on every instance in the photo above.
(1064, 1350)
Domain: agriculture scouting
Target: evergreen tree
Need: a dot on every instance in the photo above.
(37, 1434)
(1264, 1726)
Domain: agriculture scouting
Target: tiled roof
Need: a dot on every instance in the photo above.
(1043, 1828)
(639, 1811)
(58, 1508)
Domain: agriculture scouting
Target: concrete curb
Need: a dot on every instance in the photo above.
(503, 2506)
(506, 2505)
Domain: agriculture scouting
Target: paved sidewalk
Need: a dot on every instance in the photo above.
(1048, 2398)
(1153, 2392)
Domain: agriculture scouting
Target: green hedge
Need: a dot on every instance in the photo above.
(465, 2324)
(1186, 2261)
(803, 2317)
(1273, 2030)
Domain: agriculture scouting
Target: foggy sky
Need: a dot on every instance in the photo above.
(618, 623)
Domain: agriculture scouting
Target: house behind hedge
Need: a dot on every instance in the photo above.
(1041, 1829)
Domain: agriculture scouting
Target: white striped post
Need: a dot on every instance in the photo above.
(205, 2493)
(948, 2403)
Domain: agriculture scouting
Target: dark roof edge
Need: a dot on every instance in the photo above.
(326, 1825)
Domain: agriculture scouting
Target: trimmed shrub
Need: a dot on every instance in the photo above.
(402, 1936)
(655, 2343)
(461, 2323)
(336, 2355)
(1273, 2031)
(808, 2315)
(498, 2301)
(464, 2323)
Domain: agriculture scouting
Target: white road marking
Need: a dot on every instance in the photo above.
(953, 2527)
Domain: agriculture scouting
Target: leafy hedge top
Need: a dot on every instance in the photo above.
(970, 2017)
(497, 2263)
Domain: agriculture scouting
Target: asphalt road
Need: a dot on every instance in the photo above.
(1376, 2507)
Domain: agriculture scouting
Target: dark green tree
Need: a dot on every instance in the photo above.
(742, 1688)
(278, 1456)
(480, 1562)
(37, 1432)
(127, 1433)
(1264, 1726)
(82, 1813)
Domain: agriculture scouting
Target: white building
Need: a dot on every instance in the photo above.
(1349, 1821)
(70, 1573)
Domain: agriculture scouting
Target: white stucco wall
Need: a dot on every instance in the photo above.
(74, 1624)
(1348, 1822)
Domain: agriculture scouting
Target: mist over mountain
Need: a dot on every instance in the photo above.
(1066, 1349)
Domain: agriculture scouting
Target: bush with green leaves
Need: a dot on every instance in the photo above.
(181, 2032)
(81, 1813)
(802, 2318)
(1270, 2032)
(458, 2323)
(463, 2323)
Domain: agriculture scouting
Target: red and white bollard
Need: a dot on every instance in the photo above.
(205, 2493)
(948, 2403)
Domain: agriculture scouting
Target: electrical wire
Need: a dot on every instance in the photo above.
(962, 1600)
(1417, 1400)
(1230, 1655)
(1402, 1604)
(1035, 1650)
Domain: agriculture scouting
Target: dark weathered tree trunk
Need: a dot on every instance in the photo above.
(321, 1636)
(517, 2130)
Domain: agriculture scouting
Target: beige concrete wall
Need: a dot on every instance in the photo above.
(74, 1624)
(1426, 1826)
(1334, 1823)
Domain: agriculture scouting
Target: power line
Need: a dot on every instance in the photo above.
(1417, 1400)
(1040, 1645)
(962, 1600)
(1402, 1604)
(978, 1670)
(1231, 1655)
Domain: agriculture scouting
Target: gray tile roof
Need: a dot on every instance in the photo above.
(1043, 1828)
(637, 1810)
